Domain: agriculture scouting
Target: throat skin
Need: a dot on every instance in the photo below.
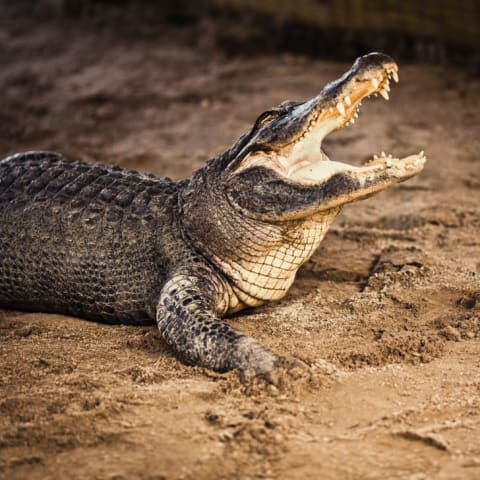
(267, 271)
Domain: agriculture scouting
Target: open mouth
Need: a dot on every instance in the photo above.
(303, 161)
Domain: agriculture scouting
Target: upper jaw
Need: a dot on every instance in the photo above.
(339, 102)
(301, 159)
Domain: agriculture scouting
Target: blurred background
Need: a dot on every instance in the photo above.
(431, 30)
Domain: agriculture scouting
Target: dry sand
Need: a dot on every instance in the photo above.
(387, 310)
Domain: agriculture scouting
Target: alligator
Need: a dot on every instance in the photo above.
(114, 245)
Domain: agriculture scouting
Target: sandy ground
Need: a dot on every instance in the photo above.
(387, 310)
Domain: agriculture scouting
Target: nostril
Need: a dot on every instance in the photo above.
(375, 60)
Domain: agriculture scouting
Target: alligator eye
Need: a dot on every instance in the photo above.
(267, 117)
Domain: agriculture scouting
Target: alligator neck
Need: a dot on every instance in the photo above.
(259, 259)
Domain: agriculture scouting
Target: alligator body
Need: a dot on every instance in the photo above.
(114, 245)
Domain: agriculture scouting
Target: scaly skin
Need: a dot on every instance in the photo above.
(114, 245)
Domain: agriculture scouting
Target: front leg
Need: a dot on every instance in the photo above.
(188, 319)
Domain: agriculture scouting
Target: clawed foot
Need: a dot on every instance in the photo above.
(261, 366)
(284, 372)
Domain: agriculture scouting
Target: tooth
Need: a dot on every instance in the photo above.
(375, 157)
(384, 94)
(383, 154)
(341, 108)
(348, 100)
(355, 115)
(395, 76)
(387, 86)
(374, 83)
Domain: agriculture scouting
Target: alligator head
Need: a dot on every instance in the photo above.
(282, 166)
(260, 210)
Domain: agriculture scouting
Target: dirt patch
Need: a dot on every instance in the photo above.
(387, 312)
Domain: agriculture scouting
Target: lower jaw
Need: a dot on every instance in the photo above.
(320, 171)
